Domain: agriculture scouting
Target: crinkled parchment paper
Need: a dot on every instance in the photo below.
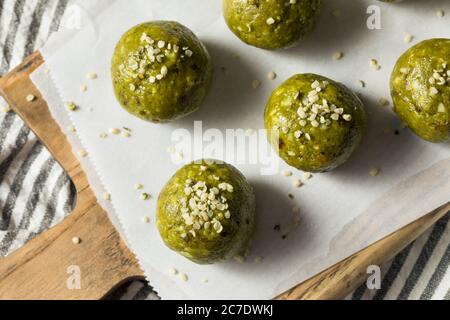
(341, 212)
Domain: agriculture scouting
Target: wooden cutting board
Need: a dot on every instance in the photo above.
(39, 270)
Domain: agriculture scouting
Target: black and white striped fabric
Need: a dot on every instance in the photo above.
(35, 193)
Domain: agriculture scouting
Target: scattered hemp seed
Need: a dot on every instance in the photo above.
(82, 153)
(297, 183)
(408, 38)
(103, 135)
(361, 83)
(126, 134)
(84, 88)
(106, 196)
(146, 219)
(374, 172)
(270, 21)
(6, 109)
(183, 277)
(307, 175)
(138, 186)
(91, 76)
(440, 13)
(72, 106)
(173, 271)
(338, 55)
(256, 84)
(76, 240)
(145, 196)
(31, 98)
(271, 75)
(206, 280)
(374, 64)
(383, 102)
(114, 131)
(292, 1)
(258, 259)
(287, 173)
(72, 128)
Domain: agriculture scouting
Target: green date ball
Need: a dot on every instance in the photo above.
(206, 212)
(271, 24)
(160, 71)
(420, 89)
(314, 123)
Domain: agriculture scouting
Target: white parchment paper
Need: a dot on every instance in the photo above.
(342, 211)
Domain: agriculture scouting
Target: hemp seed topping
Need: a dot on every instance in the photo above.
(270, 21)
(203, 206)
(150, 56)
(315, 111)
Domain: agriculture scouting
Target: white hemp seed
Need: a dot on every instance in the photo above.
(270, 21)
(31, 98)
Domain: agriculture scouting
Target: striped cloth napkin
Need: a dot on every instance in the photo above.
(36, 194)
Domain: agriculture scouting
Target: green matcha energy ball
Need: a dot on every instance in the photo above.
(314, 123)
(420, 89)
(206, 212)
(160, 71)
(271, 24)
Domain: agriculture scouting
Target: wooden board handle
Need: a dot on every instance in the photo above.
(47, 267)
